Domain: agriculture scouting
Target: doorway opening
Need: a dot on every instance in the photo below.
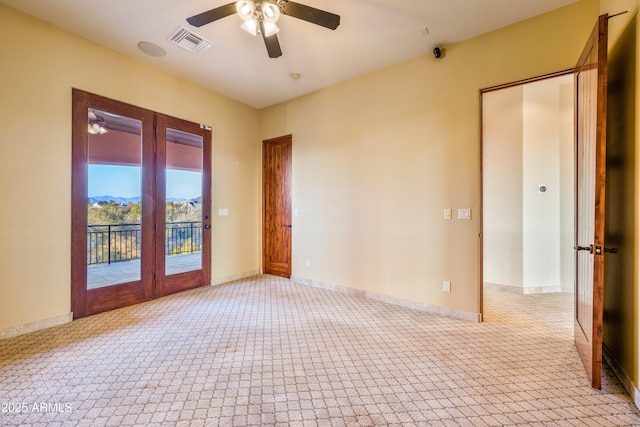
(528, 198)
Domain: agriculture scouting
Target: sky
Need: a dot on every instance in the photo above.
(124, 181)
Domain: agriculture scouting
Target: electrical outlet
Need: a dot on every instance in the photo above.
(446, 286)
(307, 263)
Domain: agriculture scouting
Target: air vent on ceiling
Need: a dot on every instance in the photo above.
(189, 41)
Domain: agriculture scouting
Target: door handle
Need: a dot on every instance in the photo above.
(599, 250)
(207, 226)
(287, 225)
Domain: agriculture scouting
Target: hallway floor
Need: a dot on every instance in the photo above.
(267, 351)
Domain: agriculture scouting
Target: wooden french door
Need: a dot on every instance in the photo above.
(276, 223)
(140, 205)
(183, 245)
(590, 132)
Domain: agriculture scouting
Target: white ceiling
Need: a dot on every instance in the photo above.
(372, 34)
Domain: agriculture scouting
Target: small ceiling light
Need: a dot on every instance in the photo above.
(250, 26)
(246, 9)
(270, 29)
(295, 76)
(96, 124)
(96, 129)
(151, 49)
(270, 12)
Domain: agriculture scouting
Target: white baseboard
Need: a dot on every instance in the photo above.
(14, 331)
(427, 308)
(233, 277)
(567, 289)
(550, 289)
(524, 290)
(628, 385)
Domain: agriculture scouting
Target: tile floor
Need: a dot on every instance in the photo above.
(267, 351)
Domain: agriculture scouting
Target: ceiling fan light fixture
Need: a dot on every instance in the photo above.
(270, 29)
(260, 17)
(270, 12)
(96, 124)
(96, 129)
(246, 9)
(250, 26)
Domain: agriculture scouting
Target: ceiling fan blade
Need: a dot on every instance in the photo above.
(209, 16)
(311, 14)
(272, 44)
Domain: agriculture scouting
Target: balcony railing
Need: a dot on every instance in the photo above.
(110, 243)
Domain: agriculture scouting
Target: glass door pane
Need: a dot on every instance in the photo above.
(183, 202)
(114, 234)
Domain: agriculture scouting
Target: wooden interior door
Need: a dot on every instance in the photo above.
(590, 132)
(276, 223)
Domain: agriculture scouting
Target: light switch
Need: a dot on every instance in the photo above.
(447, 214)
(223, 212)
(464, 213)
(296, 212)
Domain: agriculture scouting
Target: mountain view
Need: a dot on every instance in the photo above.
(126, 200)
(116, 200)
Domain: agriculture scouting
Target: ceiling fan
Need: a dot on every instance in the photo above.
(260, 17)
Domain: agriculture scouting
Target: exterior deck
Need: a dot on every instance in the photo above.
(102, 275)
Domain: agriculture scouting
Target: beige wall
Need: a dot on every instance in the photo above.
(377, 159)
(502, 124)
(621, 296)
(546, 118)
(541, 212)
(527, 142)
(567, 189)
(40, 66)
